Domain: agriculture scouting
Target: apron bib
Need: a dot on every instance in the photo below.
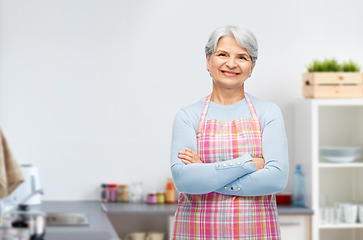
(219, 216)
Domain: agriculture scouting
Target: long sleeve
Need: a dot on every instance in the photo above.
(206, 177)
(273, 178)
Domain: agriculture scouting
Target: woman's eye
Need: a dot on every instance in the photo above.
(244, 58)
(222, 54)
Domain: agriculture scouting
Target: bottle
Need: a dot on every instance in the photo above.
(112, 192)
(298, 196)
(170, 191)
(104, 193)
(123, 193)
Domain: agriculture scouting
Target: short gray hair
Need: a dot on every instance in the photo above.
(244, 37)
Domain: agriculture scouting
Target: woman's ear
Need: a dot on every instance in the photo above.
(253, 66)
(208, 62)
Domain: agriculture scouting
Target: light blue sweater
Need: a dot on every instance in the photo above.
(239, 176)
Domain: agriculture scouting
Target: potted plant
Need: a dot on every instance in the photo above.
(329, 79)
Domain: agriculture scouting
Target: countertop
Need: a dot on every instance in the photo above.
(293, 210)
(169, 209)
(100, 227)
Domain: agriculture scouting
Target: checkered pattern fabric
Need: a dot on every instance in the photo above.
(220, 216)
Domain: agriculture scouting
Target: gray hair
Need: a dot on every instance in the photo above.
(244, 37)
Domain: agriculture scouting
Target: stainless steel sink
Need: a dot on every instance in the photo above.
(66, 219)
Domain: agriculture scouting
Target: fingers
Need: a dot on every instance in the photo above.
(260, 163)
(191, 151)
(185, 157)
(186, 161)
(189, 156)
(259, 167)
(258, 160)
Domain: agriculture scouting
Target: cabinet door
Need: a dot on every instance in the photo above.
(295, 227)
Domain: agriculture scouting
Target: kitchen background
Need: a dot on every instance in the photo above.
(89, 89)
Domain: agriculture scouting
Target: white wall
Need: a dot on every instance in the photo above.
(89, 89)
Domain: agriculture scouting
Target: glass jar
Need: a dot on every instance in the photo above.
(151, 198)
(160, 197)
(104, 192)
(136, 192)
(112, 192)
(123, 193)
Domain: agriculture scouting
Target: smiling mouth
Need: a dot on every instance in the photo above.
(230, 74)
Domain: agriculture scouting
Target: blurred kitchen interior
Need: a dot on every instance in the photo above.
(89, 88)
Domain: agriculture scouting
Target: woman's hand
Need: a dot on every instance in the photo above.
(189, 156)
(260, 163)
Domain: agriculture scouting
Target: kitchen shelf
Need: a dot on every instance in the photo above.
(330, 102)
(340, 165)
(341, 226)
(329, 122)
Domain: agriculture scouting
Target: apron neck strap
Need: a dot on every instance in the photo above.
(204, 112)
(250, 106)
(206, 106)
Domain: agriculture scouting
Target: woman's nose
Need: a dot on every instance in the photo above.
(231, 63)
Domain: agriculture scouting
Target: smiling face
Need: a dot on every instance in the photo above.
(230, 65)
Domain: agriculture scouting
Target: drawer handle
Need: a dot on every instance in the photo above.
(289, 224)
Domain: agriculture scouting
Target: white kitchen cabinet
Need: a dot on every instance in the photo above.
(329, 122)
(296, 227)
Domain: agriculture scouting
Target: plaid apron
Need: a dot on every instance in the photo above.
(220, 216)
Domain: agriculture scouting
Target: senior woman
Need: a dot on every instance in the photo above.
(229, 150)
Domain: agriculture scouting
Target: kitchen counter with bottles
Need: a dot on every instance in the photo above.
(169, 209)
(292, 218)
(100, 227)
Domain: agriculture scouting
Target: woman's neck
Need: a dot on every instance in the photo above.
(227, 96)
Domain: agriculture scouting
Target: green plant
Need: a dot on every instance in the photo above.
(350, 66)
(314, 66)
(332, 65)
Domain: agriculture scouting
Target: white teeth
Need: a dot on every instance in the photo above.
(231, 74)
